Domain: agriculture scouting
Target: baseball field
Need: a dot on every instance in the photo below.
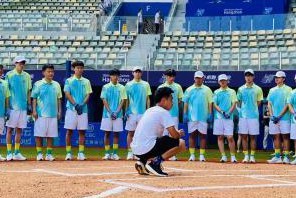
(97, 178)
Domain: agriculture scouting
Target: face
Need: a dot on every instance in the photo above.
(167, 102)
(137, 74)
(114, 78)
(223, 83)
(279, 81)
(20, 65)
(249, 78)
(198, 81)
(48, 74)
(170, 79)
(78, 70)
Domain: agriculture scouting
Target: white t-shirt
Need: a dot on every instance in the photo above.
(157, 17)
(140, 17)
(150, 127)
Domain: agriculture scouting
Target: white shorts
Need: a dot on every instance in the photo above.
(132, 122)
(202, 127)
(74, 121)
(2, 126)
(248, 126)
(108, 124)
(46, 127)
(223, 127)
(293, 132)
(176, 124)
(282, 127)
(17, 119)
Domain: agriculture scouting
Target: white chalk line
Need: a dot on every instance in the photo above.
(218, 170)
(110, 192)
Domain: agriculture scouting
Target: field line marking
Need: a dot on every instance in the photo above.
(110, 192)
(270, 179)
(218, 170)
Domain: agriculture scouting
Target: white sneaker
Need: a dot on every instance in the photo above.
(293, 162)
(107, 156)
(81, 156)
(233, 159)
(49, 157)
(115, 157)
(9, 157)
(39, 157)
(246, 159)
(192, 158)
(130, 156)
(275, 160)
(18, 157)
(252, 159)
(223, 159)
(2, 159)
(136, 158)
(68, 157)
(202, 158)
(286, 160)
(174, 158)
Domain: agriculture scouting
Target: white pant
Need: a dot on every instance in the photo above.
(176, 124)
(202, 127)
(17, 119)
(293, 132)
(223, 127)
(46, 127)
(282, 127)
(132, 122)
(74, 121)
(108, 124)
(2, 126)
(248, 126)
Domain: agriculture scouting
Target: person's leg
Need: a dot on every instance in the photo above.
(277, 145)
(266, 132)
(220, 140)
(231, 144)
(49, 146)
(107, 142)
(203, 143)
(253, 144)
(286, 141)
(175, 150)
(130, 136)
(81, 141)
(115, 142)
(38, 141)
(192, 142)
(18, 133)
(239, 142)
(68, 141)
(8, 140)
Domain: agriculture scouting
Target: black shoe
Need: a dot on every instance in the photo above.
(140, 167)
(155, 169)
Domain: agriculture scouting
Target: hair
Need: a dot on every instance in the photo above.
(170, 72)
(114, 72)
(77, 63)
(47, 66)
(1, 66)
(163, 92)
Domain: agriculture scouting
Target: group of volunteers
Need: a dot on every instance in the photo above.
(152, 131)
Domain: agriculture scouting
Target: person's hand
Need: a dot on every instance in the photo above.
(35, 115)
(181, 132)
(59, 115)
(226, 115)
(29, 109)
(185, 118)
(294, 115)
(78, 109)
(275, 119)
(210, 117)
(127, 115)
(114, 115)
(7, 113)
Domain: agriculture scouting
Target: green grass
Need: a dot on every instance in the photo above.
(98, 153)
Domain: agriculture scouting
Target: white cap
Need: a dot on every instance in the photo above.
(199, 74)
(249, 71)
(19, 59)
(137, 68)
(222, 77)
(295, 77)
(280, 74)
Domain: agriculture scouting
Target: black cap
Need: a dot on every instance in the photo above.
(114, 72)
(170, 72)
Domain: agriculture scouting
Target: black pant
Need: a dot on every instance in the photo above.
(162, 145)
(156, 28)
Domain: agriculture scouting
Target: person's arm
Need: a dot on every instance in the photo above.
(270, 109)
(7, 102)
(70, 98)
(59, 108)
(148, 102)
(35, 115)
(284, 110)
(120, 105)
(86, 99)
(176, 134)
(106, 105)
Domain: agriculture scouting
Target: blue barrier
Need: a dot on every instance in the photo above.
(148, 8)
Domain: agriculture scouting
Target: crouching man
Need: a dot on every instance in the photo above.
(149, 143)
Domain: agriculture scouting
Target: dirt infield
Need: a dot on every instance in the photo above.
(119, 179)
